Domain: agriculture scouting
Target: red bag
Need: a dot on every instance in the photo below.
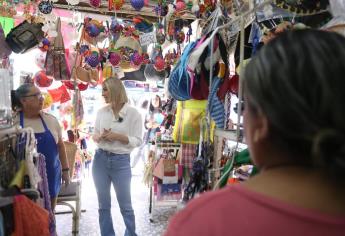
(60, 94)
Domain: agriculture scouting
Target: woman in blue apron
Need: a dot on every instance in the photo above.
(31, 103)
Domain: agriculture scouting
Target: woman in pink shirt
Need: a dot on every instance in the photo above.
(295, 129)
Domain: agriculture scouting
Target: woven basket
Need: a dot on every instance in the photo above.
(130, 43)
(71, 150)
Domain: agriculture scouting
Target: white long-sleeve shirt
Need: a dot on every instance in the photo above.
(131, 126)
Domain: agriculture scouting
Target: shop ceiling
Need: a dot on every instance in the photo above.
(126, 12)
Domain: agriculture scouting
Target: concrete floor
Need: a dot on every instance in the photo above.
(140, 200)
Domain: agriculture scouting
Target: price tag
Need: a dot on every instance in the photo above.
(148, 38)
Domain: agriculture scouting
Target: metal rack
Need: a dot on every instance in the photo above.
(153, 202)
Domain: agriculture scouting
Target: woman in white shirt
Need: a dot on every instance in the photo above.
(118, 130)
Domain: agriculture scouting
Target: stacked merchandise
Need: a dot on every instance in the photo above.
(167, 183)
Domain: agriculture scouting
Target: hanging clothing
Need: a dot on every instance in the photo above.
(188, 155)
(30, 218)
(46, 145)
(43, 189)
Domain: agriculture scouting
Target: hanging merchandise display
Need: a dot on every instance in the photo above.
(24, 36)
(81, 86)
(215, 106)
(42, 80)
(47, 100)
(46, 7)
(187, 121)
(5, 51)
(60, 94)
(95, 3)
(142, 24)
(303, 7)
(44, 45)
(199, 177)
(5, 99)
(137, 4)
(127, 47)
(56, 62)
(179, 80)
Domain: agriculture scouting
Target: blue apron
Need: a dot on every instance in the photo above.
(47, 146)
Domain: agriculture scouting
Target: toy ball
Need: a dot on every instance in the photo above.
(92, 60)
(95, 3)
(45, 7)
(159, 63)
(137, 4)
(92, 30)
(114, 58)
(136, 59)
(42, 80)
(84, 49)
(44, 45)
(40, 59)
(180, 6)
(118, 4)
(47, 100)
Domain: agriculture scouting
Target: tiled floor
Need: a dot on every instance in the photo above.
(140, 199)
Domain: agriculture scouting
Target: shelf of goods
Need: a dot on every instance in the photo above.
(231, 137)
(166, 183)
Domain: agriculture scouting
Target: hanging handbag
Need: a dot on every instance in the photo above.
(24, 36)
(179, 80)
(56, 62)
(188, 115)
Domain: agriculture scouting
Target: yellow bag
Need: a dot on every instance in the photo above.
(187, 121)
(19, 177)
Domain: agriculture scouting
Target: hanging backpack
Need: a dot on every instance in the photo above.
(24, 36)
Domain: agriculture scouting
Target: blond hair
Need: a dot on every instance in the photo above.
(118, 95)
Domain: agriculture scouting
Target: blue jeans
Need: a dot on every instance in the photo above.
(113, 168)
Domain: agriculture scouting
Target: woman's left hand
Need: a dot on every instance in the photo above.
(65, 177)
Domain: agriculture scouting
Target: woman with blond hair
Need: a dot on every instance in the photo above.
(118, 130)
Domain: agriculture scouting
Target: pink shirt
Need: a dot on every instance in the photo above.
(238, 211)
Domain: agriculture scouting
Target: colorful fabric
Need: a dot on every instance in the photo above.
(187, 121)
(179, 81)
(30, 219)
(43, 189)
(215, 106)
(188, 155)
(237, 210)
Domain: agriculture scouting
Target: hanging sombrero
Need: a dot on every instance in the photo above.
(303, 7)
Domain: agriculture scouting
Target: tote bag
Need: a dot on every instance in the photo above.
(187, 125)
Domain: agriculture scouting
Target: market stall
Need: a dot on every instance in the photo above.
(191, 53)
